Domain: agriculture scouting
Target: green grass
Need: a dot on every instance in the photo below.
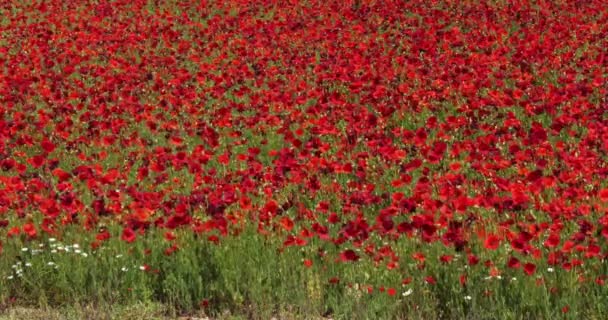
(251, 276)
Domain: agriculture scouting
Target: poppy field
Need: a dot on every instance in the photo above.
(351, 159)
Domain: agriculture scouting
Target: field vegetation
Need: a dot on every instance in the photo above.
(349, 159)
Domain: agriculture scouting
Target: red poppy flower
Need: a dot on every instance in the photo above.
(492, 242)
(513, 263)
(307, 263)
(128, 235)
(30, 230)
(463, 280)
(349, 255)
(529, 268)
(14, 231)
(552, 241)
(47, 146)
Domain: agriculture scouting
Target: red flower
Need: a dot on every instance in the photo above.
(492, 242)
(349, 255)
(286, 223)
(552, 241)
(14, 231)
(307, 263)
(169, 236)
(446, 258)
(419, 256)
(128, 235)
(47, 145)
(513, 263)
(30, 230)
(529, 268)
(36, 161)
(463, 280)
(169, 251)
(103, 235)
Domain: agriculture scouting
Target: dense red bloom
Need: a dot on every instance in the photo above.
(349, 255)
(492, 242)
(326, 124)
(294, 241)
(103, 235)
(128, 235)
(169, 236)
(47, 146)
(513, 263)
(37, 161)
(446, 258)
(472, 259)
(529, 268)
(14, 231)
(286, 223)
(30, 230)
(463, 280)
(552, 241)
(419, 256)
(170, 250)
